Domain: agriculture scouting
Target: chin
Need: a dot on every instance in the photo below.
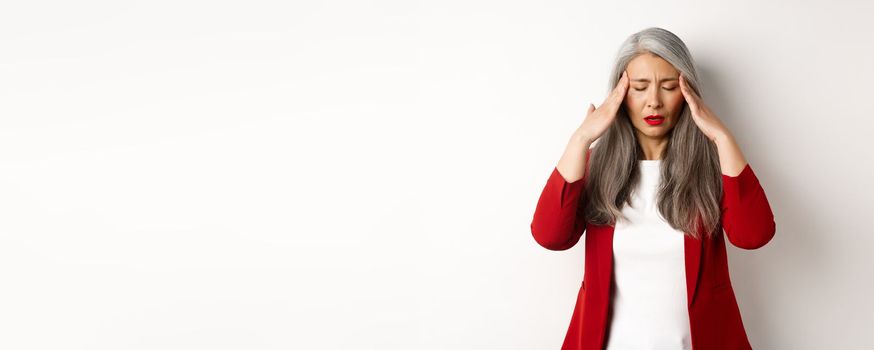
(655, 133)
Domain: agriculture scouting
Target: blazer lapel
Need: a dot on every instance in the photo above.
(692, 249)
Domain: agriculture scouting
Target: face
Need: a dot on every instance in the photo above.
(654, 89)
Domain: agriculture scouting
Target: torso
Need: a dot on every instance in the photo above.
(649, 301)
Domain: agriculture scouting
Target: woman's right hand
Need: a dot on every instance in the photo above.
(599, 119)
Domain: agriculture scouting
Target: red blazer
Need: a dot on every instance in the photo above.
(714, 317)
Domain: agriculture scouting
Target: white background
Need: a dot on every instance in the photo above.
(362, 175)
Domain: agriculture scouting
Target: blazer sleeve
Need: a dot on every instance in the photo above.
(746, 213)
(556, 225)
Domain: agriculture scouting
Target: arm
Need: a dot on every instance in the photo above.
(746, 214)
(555, 225)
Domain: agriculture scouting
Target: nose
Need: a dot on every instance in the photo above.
(652, 100)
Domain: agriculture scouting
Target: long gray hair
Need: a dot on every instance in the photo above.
(689, 197)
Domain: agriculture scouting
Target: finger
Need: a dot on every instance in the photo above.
(621, 90)
(616, 93)
(623, 82)
(688, 88)
(690, 96)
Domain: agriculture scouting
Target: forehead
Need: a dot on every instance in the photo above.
(647, 67)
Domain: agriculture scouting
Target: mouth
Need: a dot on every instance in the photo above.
(654, 119)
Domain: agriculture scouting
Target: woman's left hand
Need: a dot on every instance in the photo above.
(706, 120)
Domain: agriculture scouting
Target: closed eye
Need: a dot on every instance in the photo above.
(669, 89)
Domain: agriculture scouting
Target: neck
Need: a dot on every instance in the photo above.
(653, 148)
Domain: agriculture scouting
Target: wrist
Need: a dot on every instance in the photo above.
(723, 138)
(580, 138)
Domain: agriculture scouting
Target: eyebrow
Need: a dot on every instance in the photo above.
(647, 80)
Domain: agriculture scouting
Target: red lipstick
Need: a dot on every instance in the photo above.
(654, 119)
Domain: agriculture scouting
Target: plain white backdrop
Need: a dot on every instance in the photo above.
(362, 175)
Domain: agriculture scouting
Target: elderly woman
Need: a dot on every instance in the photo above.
(653, 196)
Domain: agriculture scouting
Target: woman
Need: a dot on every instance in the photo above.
(653, 196)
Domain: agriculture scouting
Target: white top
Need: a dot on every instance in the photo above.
(649, 304)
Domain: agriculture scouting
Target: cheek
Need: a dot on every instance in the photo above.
(632, 105)
(675, 101)
(634, 98)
